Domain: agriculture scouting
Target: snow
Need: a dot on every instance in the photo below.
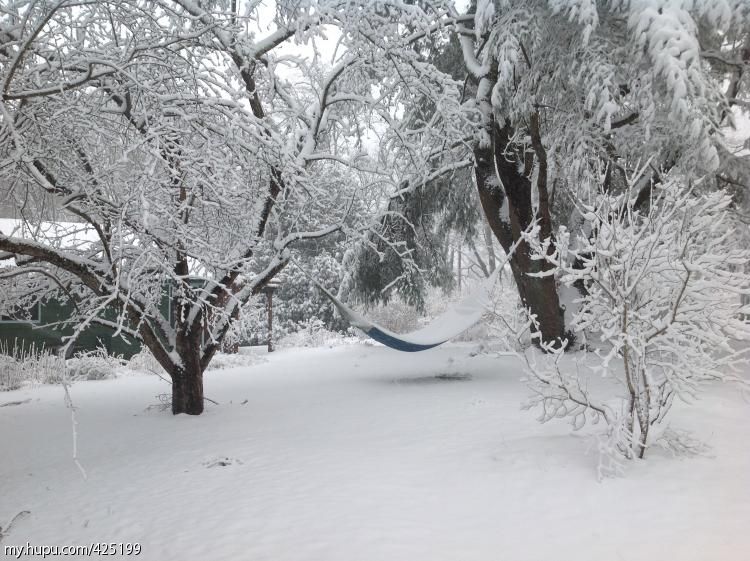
(483, 14)
(472, 64)
(362, 453)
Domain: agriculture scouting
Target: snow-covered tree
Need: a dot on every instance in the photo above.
(559, 96)
(426, 221)
(191, 147)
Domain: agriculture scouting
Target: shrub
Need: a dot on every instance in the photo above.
(21, 364)
(663, 300)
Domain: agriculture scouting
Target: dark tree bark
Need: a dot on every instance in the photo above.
(509, 211)
(187, 389)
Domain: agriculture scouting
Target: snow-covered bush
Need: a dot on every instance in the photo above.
(232, 360)
(93, 365)
(11, 376)
(21, 364)
(314, 333)
(144, 361)
(663, 310)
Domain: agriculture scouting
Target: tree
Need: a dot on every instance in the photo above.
(170, 132)
(569, 85)
(560, 96)
(426, 217)
(411, 246)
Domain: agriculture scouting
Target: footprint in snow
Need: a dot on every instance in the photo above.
(222, 461)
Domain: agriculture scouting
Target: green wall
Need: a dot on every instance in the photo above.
(49, 331)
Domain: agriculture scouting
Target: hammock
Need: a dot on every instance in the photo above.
(448, 325)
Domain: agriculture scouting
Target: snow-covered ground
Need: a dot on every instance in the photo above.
(361, 453)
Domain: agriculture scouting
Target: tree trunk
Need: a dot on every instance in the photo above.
(491, 259)
(643, 441)
(505, 192)
(187, 389)
(187, 377)
(460, 252)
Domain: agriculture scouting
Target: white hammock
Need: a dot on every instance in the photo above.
(446, 326)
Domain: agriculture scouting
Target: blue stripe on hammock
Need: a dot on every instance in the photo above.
(398, 344)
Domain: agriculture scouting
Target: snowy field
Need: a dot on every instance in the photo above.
(359, 453)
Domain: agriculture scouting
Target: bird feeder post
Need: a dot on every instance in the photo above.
(269, 289)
